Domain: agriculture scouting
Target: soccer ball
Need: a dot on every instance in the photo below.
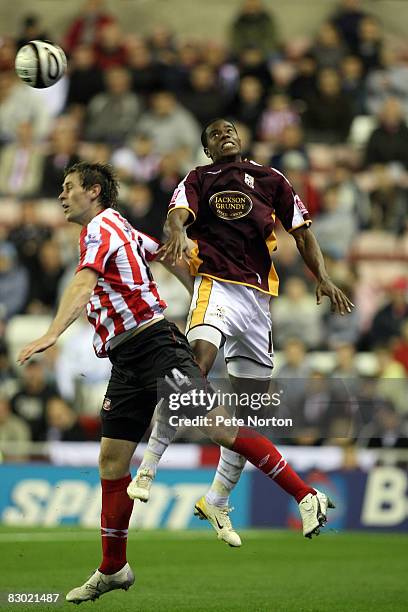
(40, 63)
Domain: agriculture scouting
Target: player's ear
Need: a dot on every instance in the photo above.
(95, 191)
(206, 151)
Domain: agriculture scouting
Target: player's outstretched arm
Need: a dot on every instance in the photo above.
(310, 251)
(176, 246)
(73, 301)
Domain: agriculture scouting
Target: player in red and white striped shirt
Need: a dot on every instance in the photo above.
(114, 280)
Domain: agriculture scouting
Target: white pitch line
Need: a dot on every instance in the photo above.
(85, 536)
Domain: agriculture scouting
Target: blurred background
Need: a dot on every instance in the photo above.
(318, 90)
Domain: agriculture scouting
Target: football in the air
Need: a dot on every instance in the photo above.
(40, 63)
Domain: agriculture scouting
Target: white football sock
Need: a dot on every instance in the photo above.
(161, 437)
(228, 473)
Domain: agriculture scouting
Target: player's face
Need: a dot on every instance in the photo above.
(222, 141)
(78, 204)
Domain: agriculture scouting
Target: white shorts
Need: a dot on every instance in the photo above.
(239, 316)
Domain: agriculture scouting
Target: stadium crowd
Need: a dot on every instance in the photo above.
(330, 113)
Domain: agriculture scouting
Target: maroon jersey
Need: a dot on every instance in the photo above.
(233, 207)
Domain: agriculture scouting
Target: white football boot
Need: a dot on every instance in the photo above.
(219, 519)
(139, 488)
(313, 511)
(99, 583)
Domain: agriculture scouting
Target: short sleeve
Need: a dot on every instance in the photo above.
(186, 195)
(150, 246)
(97, 244)
(289, 208)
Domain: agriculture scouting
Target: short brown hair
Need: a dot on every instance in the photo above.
(98, 174)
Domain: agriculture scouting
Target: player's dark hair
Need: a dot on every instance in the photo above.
(204, 140)
(98, 174)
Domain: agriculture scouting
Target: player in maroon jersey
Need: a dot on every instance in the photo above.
(228, 209)
(114, 281)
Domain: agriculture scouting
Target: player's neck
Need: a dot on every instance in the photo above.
(228, 160)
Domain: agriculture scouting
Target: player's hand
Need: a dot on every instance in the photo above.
(38, 346)
(339, 301)
(176, 247)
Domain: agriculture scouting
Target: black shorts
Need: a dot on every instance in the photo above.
(139, 367)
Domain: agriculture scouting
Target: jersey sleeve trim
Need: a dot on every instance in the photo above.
(185, 208)
(306, 222)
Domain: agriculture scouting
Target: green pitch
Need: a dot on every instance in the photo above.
(190, 571)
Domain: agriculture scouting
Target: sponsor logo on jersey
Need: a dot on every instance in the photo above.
(230, 205)
(92, 239)
(300, 206)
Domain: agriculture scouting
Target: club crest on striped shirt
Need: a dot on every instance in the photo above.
(250, 181)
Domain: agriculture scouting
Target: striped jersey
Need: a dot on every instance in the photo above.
(125, 296)
(234, 207)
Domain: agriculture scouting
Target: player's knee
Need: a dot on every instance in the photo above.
(111, 467)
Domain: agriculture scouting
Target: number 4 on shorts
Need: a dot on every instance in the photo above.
(178, 380)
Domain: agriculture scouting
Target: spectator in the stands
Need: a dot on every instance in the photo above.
(347, 18)
(254, 25)
(248, 103)
(63, 153)
(161, 42)
(389, 141)
(338, 330)
(29, 402)
(44, 280)
(202, 96)
(110, 50)
(388, 201)
(145, 72)
(345, 361)
(388, 321)
(291, 141)
(31, 29)
(370, 43)
(21, 164)
(171, 127)
(353, 84)
(141, 209)
(19, 104)
(62, 422)
(29, 233)
(329, 114)
(389, 79)
(294, 364)
(164, 183)
(77, 366)
(328, 49)
(353, 200)
(388, 429)
(277, 116)
(8, 381)
(251, 62)
(295, 306)
(294, 167)
(85, 79)
(13, 431)
(111, 116)
(335, 214)
(137, 159)
(14, 282)
(400, 347)
(393, 383)
(85, 27)
(304, 85)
